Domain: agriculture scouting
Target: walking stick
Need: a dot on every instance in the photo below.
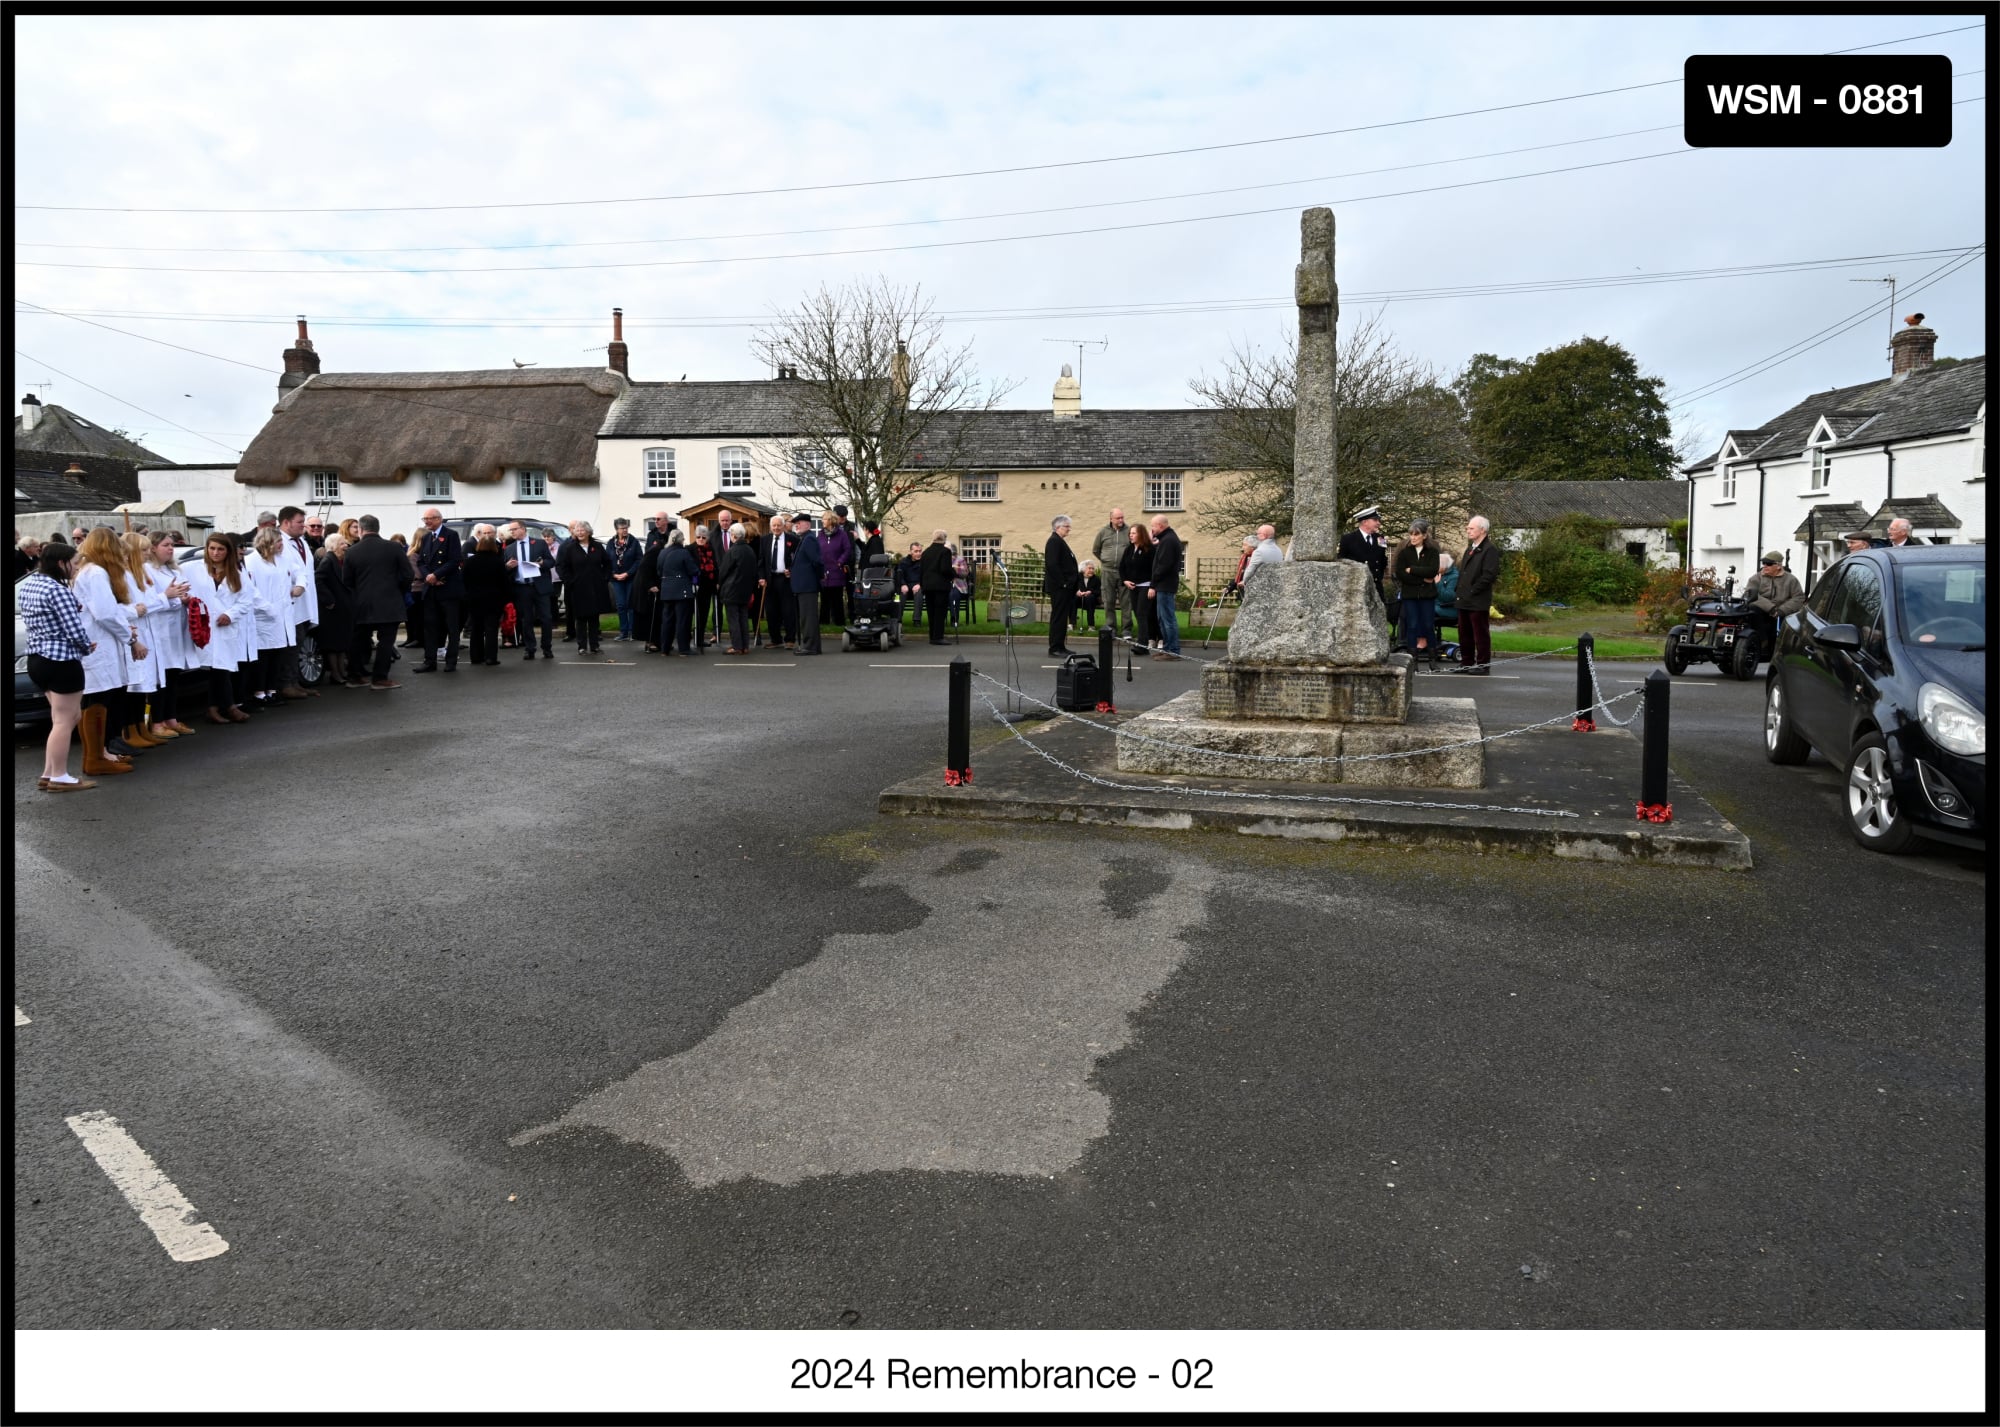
(1213, 610)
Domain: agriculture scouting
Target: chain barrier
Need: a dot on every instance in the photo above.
(1149, 649)
(1603, 705)
(1501, 659)
(1282, 757)
(1101, 782)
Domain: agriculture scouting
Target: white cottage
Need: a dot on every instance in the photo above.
(1912, 444)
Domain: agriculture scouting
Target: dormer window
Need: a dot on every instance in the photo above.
(1822, 468)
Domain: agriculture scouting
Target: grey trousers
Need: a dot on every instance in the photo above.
(1117, 617)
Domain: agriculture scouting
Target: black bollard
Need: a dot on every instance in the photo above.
(1586, 701)
(1653, 804)
(958, 733)
(1105, 655)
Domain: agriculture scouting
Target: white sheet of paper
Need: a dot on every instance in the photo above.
(530, 569)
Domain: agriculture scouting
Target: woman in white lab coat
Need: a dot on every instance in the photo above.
(145, 673)
(111, 609)
(271, 583)
(165, 632)
(228, 603)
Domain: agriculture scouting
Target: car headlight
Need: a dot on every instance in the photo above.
(1952, 723)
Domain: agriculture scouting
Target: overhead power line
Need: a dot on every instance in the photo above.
(1821, 337)
(938, 177)
(122, 401)
(858, 252)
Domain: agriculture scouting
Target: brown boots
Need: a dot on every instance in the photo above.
(95, 763)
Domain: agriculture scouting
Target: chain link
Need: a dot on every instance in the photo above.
(1603, 706)
(1283, 757)
(1502, 659)
(1261, 797)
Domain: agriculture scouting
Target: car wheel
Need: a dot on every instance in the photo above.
(1873, 814)
(311, 666)
(1782, 743)
(1675, 658)
(1743, 660)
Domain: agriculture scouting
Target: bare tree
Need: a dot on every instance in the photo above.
(882, 405)
(1399, 434)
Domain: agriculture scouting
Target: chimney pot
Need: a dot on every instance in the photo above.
(301, 361)
(77, 473)
(31, 412)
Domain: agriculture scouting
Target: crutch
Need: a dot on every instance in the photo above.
(1214, 610)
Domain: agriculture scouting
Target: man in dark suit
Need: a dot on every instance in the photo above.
(1365, 546)
(1059, 583)
(1478, 573)
(808, 570)
(378, 574)
(439, 555)
(533, 593)
(645, 599)
(779, 550)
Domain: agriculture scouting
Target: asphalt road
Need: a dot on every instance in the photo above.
(597, 995)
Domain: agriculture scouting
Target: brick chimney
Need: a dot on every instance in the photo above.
(301, 361)
(618, 356)
(76, 473)
(31, 412)
(1069, 394)
(1912, 349)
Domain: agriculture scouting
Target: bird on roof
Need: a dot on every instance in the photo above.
(519, 363)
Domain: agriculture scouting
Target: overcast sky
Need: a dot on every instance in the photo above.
(350, 112)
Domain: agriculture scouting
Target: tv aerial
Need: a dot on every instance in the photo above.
(1100, 344)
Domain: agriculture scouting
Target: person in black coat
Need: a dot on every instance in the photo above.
(1478, 573)
(739, 580)
(909, 584)
(1135, 576)
(487, 580)
(934, 575)
(335, 629)
(808, 570)
(1169, 559)
(439, 555)
(1365, 546)
(677, 572)
(1059, 583)
(378, 574)
(586, 571)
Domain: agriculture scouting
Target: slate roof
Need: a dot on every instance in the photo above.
(1168, 439)
(51, 490)
(62, 431)
(376, 426)
(1530, 504)
(1831, 520)
(1928, 402)
(669, 409)
(1924, 512)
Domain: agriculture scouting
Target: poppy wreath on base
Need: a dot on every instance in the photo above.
(1106, 706)
(1656, 812)
(1582, 725)
(953, 778)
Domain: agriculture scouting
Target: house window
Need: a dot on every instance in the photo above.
(1822, 468)
(735, 468)
(531, 483)
(659, 466)
(808, 470)
(983, 485)
(437, 485)
(325, 485)
(1163, 490)
(1728, 483)
(979, 549)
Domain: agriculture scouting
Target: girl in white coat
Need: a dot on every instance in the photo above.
(229, 603)
(146, 673)
(271, 582)
(166, 632)
(111, 612)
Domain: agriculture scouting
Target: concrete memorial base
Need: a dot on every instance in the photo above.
(1207, 743)
(1317, 693)
(1311, 612)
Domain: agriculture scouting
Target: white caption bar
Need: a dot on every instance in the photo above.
(163, 1208)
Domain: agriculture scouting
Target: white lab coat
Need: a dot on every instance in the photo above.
(106, 667)
(305, 608)
(147, 673)
(228, 645)
(271, 584)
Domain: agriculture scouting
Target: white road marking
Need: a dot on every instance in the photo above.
(753, 666)
(909, 666)
(20, 1019)
(162, 1207)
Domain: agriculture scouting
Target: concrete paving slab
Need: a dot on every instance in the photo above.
(1548, 792)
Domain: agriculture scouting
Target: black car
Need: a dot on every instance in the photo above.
(1884, 672)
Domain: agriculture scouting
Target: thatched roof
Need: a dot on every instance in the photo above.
(378, 427)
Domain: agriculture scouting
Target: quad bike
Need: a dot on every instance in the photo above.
(1721, 630)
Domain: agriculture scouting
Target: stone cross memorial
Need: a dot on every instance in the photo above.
(1309, 674)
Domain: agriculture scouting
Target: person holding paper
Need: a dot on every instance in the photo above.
(528, 564)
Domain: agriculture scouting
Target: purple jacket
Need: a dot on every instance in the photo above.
(838, 551)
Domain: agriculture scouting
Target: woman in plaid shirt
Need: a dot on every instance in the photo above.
(57, 642)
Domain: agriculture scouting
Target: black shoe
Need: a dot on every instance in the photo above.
(411, 644)
(425, 669)
(120, 747)
(493, 663)
(451, 668)
(528, 656)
